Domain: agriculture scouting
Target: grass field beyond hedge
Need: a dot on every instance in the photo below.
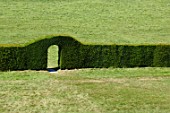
(97, 21)
(130, 90)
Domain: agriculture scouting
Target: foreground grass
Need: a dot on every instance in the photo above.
(97, 21)
(137, 90)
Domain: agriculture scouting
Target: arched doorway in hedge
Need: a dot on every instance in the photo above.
(40, 52)
(53, 57)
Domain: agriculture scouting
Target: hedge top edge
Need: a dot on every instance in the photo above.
(60, 36)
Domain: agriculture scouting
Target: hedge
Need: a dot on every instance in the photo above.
(98, 56)
(73, 54)
(37, 52)
(162, 56)
(12, 58)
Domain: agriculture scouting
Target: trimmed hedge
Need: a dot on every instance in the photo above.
(98, 56)
(73, 54)
(162, 56)
(33, 55)
(12, 58)
(37, 52)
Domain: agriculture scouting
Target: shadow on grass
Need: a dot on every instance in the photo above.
(55, 69)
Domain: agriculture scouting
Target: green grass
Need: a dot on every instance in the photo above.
(126, 90)
(97, 21)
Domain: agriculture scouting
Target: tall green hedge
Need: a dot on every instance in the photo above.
(37, 52)
(98, 56)
(162, 56)
(12, 58)
(73, 54)
(135, 56)
(33, 55)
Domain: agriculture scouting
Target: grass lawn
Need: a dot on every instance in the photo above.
(127, 90)
(97, 21)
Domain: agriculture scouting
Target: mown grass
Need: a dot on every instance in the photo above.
(97, 21)
(137, 90)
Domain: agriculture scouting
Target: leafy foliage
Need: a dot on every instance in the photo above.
(162, 56)
(73, 54)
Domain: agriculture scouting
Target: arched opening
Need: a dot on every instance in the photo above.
(53, 57)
